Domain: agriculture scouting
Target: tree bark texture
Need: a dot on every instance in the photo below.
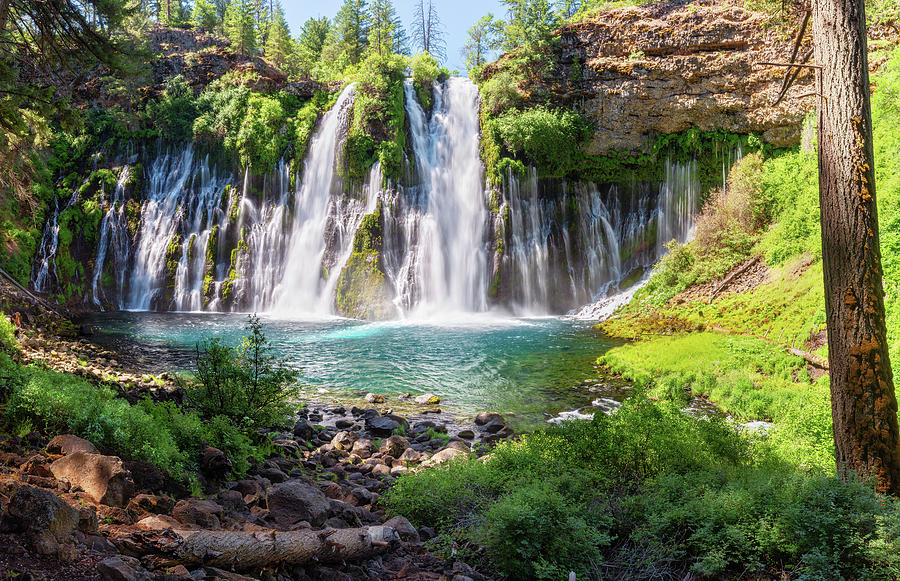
(863, 403)
(248, 550)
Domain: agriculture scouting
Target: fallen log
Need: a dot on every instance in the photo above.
(719, 288)
(246, 550)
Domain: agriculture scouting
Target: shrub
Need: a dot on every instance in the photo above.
(548, 139)
(651, 490)
(8, 340)
(500, 93)
(425, 71)
(247, 384)
(173, 114)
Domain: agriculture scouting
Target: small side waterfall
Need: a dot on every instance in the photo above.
(113, 236)
(569, 244)
(435, 232)
(44, 273)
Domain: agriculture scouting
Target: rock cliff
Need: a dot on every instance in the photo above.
(668, 66)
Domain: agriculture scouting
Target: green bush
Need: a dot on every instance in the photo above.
(425, 71)
(8, 340)
(160, 433)
(246, 384)
(547, 139)
(174, 112)
(651, 490)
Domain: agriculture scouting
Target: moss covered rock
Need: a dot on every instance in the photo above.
(363, 291)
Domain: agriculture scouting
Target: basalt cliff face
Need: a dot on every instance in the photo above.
(666, 67)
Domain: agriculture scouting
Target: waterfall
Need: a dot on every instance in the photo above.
(210, 239)
(44, 271)
(182, 202)
(570, 244)
(299, 290)
(435, 232)
(113, 235)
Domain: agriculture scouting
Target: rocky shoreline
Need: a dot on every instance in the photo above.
(69, 510)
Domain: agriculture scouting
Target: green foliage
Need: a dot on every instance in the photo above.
(8, 340)
(651, 490)
(173, 114)
(547, 139)
(378, 117)
(500, 92)
(362, 289)
(204, 15)
(240, 26)
(247, 384)
(159, 433)
(425, 71)
(790, 187)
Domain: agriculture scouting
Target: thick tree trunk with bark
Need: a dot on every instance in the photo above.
(864, 406)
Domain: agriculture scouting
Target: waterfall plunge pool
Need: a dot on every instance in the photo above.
(533, 368)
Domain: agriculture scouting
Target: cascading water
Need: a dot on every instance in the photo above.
(569, 244)
(435, 232)
(44, 271)
(183, 202)
(300, 289)
(211, 240)
(113, 236)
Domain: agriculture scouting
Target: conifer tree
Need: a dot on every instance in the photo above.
(239, 26)
(204, 16)
(352, 23)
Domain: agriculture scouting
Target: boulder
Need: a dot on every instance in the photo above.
(294, 501)
(427, 399)
(404, 528)
(44, 519)
(104, 478)
(374, 398)
(194, 511)
(344, 440)
(394, 446)
(150, 504)
(160, 522)
(214, 464)
(444, 455)
(487, 417)
(304, 430)
(466, 434)
(363, 448)
(122, 568)
(68, 444)
(410, 455)
(382, 426)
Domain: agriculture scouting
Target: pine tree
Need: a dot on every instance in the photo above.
(279, 44)
(386, 30)
(483, 38)
(311, 41)
(352, 23)
(204, 16)
(239, 26)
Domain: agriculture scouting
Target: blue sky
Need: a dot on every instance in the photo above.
(457, 16)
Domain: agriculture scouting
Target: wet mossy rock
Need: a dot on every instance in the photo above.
(363, 291)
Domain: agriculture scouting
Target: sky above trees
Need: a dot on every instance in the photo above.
(457, 17)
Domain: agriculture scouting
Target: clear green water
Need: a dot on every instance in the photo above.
(532, 367)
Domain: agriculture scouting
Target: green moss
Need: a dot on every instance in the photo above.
(363, 290)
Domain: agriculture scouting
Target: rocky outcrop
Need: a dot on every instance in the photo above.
(666, 67)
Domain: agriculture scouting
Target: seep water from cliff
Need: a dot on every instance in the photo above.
(205, 239)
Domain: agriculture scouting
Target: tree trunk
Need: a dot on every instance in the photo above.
(248, 550)
(863, 403)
